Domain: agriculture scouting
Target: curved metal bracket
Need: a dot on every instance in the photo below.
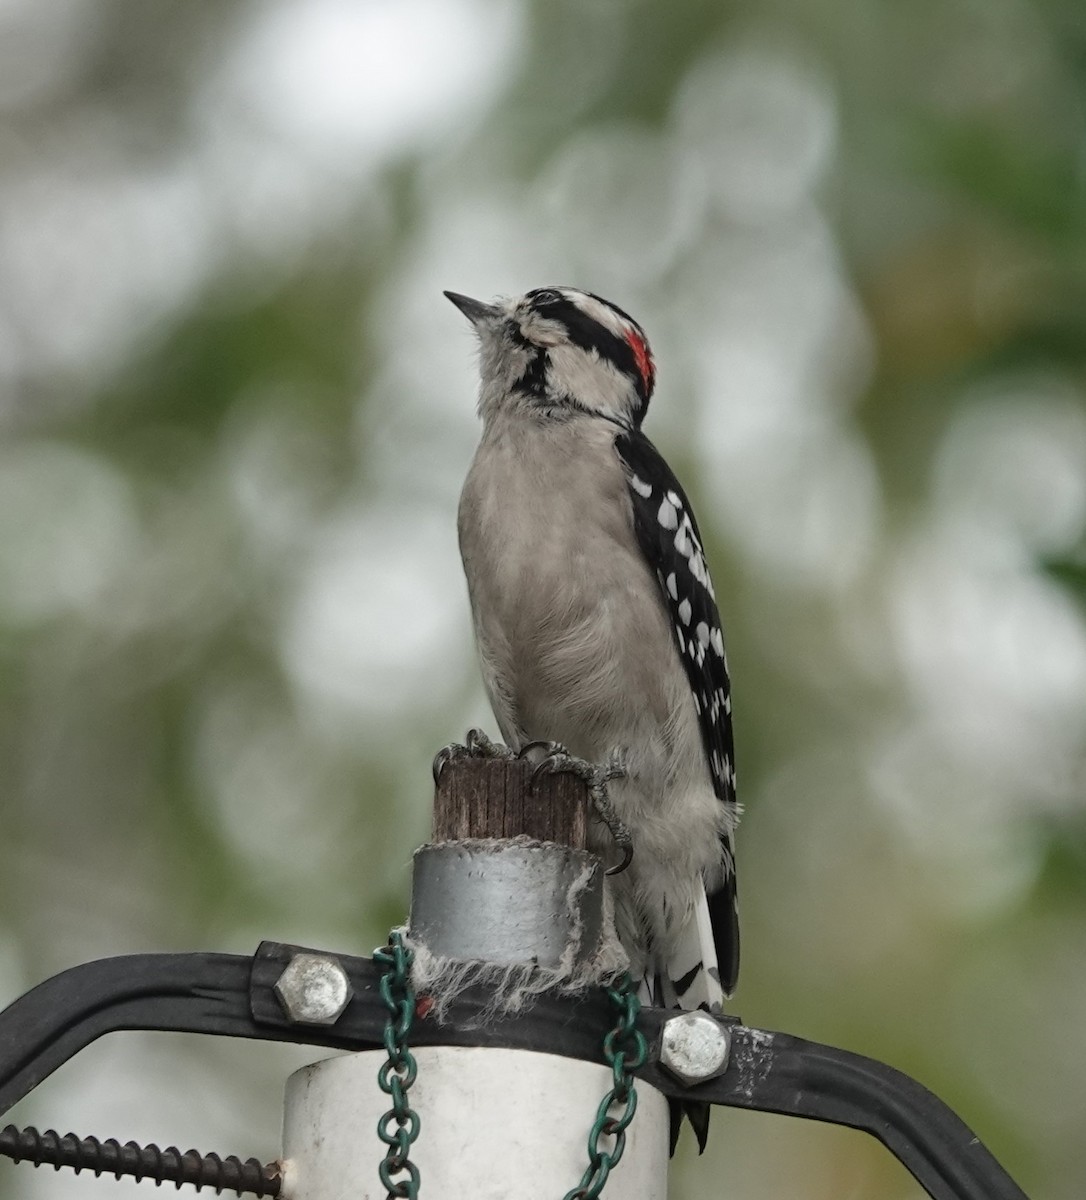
(233, 996)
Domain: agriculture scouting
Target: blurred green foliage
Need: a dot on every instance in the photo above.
(235, 411)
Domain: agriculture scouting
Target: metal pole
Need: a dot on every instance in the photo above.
(494, 1124)
(497, 903)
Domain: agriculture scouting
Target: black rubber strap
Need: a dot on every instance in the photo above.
(232, 996)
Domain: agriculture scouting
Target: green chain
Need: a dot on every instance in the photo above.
(397, 1072)
(625, 1049)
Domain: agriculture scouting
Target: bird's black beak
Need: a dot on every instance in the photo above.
(475, 310)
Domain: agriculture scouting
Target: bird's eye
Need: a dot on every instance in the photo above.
(544, 296)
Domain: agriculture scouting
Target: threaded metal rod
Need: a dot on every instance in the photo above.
(142, 1162)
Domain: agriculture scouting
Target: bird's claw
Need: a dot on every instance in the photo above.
(549, 749)
(627, 853)
(596, 776)
(475, 745)
(556, 763)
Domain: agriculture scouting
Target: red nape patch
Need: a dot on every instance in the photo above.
(643, 358)
(423, 1007)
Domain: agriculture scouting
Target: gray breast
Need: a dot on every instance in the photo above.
(571, 629)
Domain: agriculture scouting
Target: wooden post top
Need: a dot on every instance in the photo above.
(497, 798)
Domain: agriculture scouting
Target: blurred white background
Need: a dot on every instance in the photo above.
(235, 412)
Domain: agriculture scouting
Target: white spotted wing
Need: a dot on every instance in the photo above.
(668, 536)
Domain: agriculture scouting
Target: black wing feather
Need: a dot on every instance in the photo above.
(671, 542)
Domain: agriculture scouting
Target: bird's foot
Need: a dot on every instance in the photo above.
(596, 776)
(475, 745)
(538, 752)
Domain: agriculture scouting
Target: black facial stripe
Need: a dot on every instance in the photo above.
(591, 335)
(546, 296)
(533, 382)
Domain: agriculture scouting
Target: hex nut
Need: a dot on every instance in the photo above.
(313, 989)
(694, 1047)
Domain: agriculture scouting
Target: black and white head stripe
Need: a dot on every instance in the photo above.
(668, 536)
(602, 329)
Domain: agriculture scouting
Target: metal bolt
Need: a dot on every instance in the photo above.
(314, 989)
(694, 1048)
